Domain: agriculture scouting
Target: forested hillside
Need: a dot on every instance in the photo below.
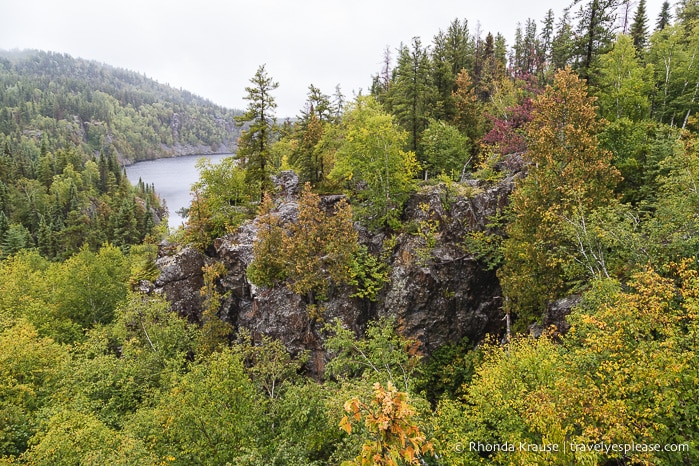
(283, 324)
(55, 100)
(67, 127)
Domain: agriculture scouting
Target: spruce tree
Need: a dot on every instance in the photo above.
(664, 17)
(562, 45)
(412, 92)
(596, 29)
(254, 143)
(639, 28)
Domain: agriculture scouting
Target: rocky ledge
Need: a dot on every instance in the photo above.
(437, 291)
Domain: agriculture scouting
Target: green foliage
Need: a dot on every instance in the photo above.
(319, 247)
(253, 151)
(142, 258)
(313, 254)
(486, 245)
(70, 200)
(570, 176)
(427, 233)
(91, 373)
(445, 150)
(411, 93)
(269, 265)
(309, 154)
(221, 201)
(372, 161)
(638, 150)
(215, 333)
(66, 101)
(29, 375)
(210, 416)
(594, 387)
(382, 355)
(368, 274)
(269, 364)
(89, 286)
(625, 85)
(447, 371)
(515, 396)
(76, 438)
(673, 229)
(306, 434)
(672, 54)
(62, 299)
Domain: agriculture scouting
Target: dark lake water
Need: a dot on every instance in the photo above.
(173, 178)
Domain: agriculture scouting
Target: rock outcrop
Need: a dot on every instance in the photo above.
(437, 291)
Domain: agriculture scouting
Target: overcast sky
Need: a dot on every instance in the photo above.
(213, 48)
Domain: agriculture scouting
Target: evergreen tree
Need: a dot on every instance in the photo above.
(319, 247)
(596, 31)
(4, 224)
(45, 240)
(125, 224)
(469, 116)
(382, 81)
(546, 35)
(639, 28)
(306, 157)
(16, 238)
(452, 51)
(528, 58)
(412, 93)
(269, 264)
(493, 60)
(664, 17)
(563, 44)
(254, 143)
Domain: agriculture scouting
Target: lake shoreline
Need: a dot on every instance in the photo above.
(172, 178)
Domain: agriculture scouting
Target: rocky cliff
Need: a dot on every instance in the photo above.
(437, 291)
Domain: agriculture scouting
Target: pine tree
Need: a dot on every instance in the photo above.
(254, 143)
(546, 36)
(452, 51)
(308, 132)
(469, 116)
(4, 224)
(45, 240)
(125, 230)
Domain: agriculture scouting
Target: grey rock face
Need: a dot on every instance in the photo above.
(437, 294)
(180, 280)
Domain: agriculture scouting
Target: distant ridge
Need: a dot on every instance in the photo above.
(58, 100)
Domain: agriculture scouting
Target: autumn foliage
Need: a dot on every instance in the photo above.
(395, 438)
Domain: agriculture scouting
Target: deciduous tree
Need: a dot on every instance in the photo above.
(569, 175)
(372, 160)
